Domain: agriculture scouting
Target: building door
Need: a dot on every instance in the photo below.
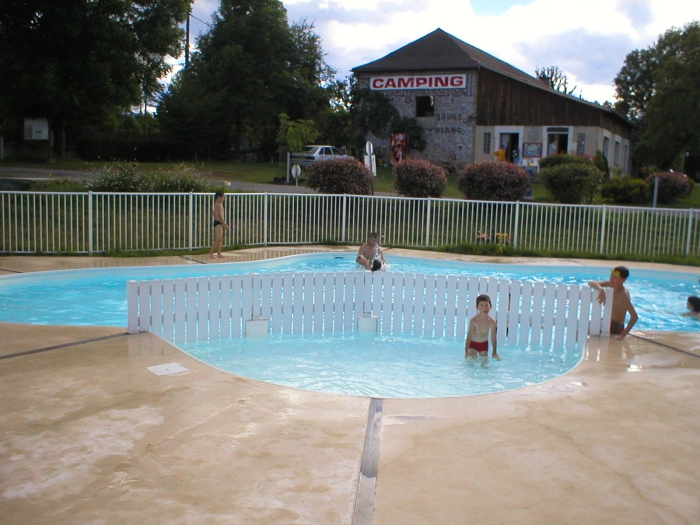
(510, 143)
(557, 140)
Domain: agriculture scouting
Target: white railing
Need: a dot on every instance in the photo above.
(419, 305)
(102, 222)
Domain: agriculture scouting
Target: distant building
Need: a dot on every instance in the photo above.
(471, 103)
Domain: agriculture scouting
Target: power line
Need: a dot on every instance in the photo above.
(205, 23)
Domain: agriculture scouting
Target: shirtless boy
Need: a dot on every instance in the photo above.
(693, 306)
(477, 344)
(622, 304)
(370, 254)
(219, 225)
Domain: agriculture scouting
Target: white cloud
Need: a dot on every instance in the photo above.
(587, 39)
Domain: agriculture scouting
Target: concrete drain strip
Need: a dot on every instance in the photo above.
(191, 259)
(367, 485)
(65, 345)
(12, 271)
(666, 346)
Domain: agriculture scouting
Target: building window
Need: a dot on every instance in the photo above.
(580, 144)
(487, 142)
(606, 147)
(425, 106)
(616, 160)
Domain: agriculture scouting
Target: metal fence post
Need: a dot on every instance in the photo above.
(690, 231)
(515, 228)
(191, 233)
(90, 223)
(602, 227)
(345, 217)
(267, 203)
(427, 225)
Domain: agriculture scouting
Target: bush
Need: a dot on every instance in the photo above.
(340, 176)
(563, 158)
(601, 163)
(117, 177)
(126, 178)
(176, 178)
(419, 178)
(672, 186)
(625, 190)
(494, 181)
(573, 183)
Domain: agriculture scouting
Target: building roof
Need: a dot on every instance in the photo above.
(440, 51)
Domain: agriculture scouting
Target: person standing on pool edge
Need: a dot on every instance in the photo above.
(622, 303)
(477, 344)
(219, 225)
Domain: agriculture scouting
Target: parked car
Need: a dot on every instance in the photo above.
(314, 153)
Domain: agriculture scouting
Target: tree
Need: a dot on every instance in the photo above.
(660, 88)
(556, 79)
(257, 66)
(296, 133)
(81, 61)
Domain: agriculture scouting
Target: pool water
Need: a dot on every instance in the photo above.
(97, 297)
(387, 366)
(350, 364)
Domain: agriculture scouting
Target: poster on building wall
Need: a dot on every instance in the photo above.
(399, 147)
(532, 149)
(36, 129)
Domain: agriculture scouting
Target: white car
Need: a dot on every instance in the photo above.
(314, 153)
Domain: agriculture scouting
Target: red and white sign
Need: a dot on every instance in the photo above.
(419, 82)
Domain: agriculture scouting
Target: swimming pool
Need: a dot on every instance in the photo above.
(383, 366)
(97, 297)
(352, 364)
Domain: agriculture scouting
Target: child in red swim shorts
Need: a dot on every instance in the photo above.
(480, 326)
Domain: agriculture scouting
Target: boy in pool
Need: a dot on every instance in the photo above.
(477, 344)
(370, 254)
(693, 306)
(622, 304)
(219, 225)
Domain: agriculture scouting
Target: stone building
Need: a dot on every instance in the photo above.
(469, 103)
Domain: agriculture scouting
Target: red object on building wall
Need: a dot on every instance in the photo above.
(399, 147)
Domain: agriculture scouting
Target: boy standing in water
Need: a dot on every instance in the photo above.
(477, 344)
(219, 225)
(622, 304)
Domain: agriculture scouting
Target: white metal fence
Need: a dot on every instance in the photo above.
(101, 222)
(419, 305)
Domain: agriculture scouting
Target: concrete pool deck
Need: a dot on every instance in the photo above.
(89, 435)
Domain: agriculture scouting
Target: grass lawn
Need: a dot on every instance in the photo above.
(265, 172)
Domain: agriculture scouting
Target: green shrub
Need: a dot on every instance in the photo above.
(563, 158)
(574, 183)
(419, 178)
(118, 178)
(126, 178)
(625, 190)
(494, 181)
(672, 186)
(176, 178)
(340, 176)
(601, 163)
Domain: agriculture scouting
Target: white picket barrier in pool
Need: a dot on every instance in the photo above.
(419, 305)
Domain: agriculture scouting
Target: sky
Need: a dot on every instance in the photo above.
(587, 39)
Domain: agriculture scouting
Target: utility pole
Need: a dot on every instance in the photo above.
(187, 32)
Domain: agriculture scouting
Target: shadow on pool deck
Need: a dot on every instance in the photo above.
(90, 435)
